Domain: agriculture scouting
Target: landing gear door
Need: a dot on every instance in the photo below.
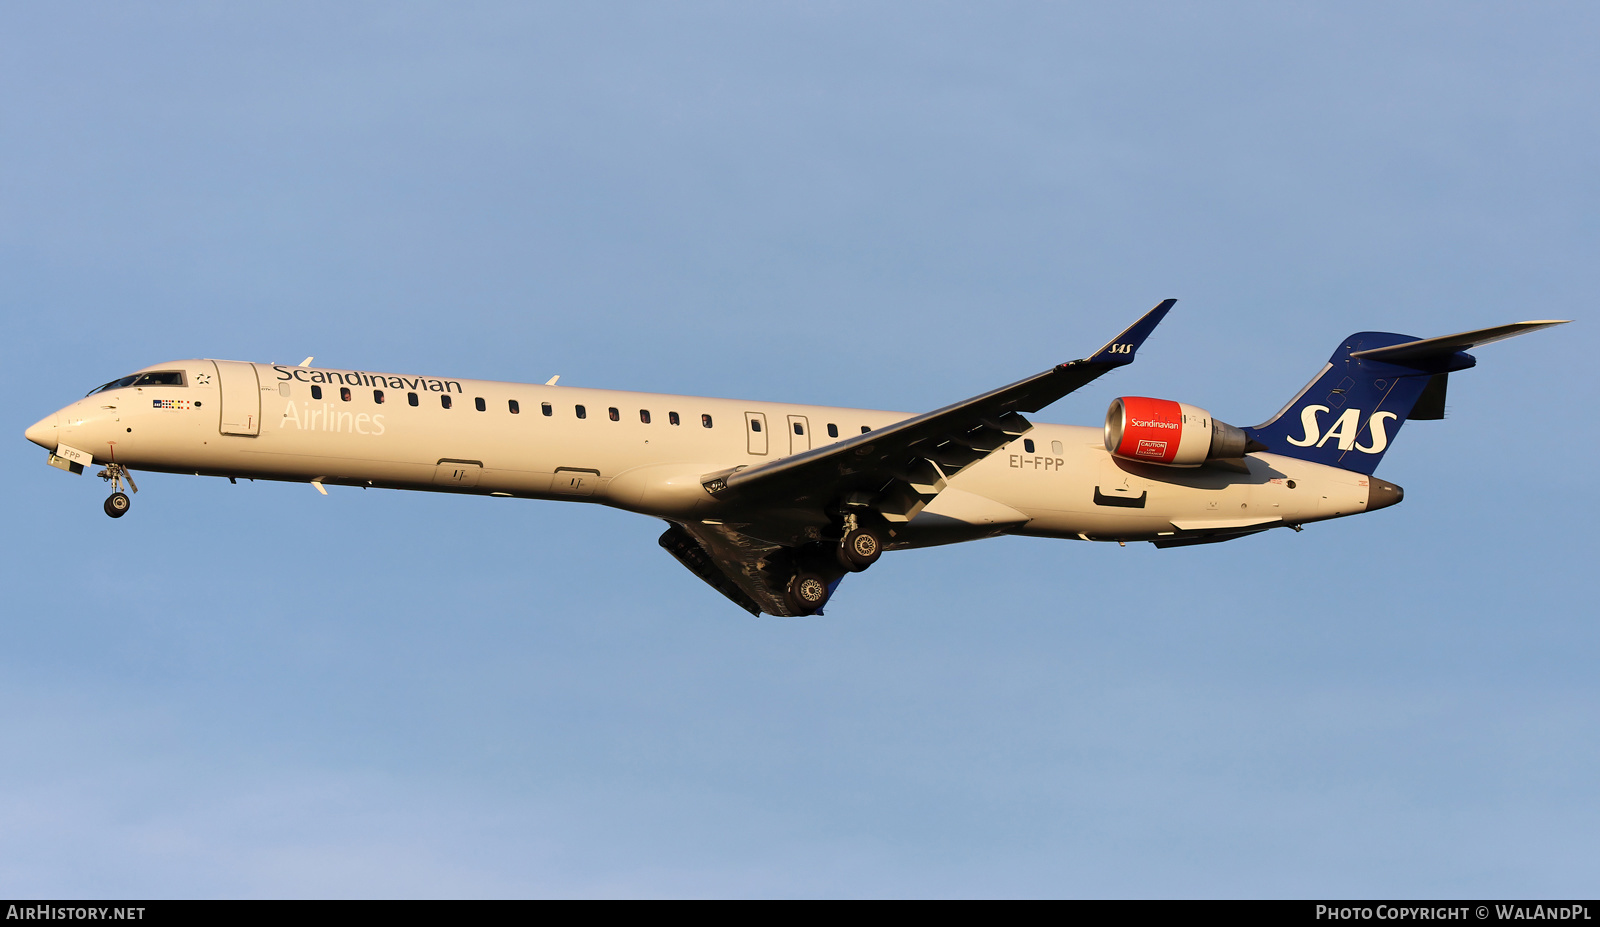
(755, 429)
(241, 398)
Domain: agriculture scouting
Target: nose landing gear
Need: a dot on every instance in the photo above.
(117, 503)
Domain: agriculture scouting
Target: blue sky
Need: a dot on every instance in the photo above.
(254, 690)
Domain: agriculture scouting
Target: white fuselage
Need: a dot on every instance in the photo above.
(647, 452)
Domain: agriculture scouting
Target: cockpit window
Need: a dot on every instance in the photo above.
(114, 384)
(153, 378)
(160, 378)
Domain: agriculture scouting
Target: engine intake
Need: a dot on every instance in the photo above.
(1174, 434)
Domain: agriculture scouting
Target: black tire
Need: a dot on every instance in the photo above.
(807, 592)
(860, 549)
(117, 505)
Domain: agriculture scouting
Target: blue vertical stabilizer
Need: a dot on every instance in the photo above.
(1350, 413)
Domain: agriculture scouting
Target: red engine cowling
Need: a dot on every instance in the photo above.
(1174, 434)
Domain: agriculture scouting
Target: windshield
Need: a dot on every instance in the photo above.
(153, 378)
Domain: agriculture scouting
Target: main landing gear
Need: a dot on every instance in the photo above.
(117, 503)
(817, 569)
(808, 592)
(860, 547)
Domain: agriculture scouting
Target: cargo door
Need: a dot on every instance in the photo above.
(575, 481)
(755, 428)
(460, 474)
(241, 398)
(799, 434)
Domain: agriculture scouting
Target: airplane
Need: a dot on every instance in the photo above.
(773, 504)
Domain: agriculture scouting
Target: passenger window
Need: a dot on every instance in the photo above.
(582, 412)
(444, 400)
(344, 393)
(480, 404)
(545, 408)
(316, 392)
(377, 396)
(705, 420)
(755, 424)
(833, 430)
(1055, 447)
(611, 413)
(512, 405)
(411, 398)
(644, 416)
(1027, 445)
(672, 418)
(865, 429)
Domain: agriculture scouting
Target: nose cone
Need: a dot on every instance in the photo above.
(44, 433)
(1381, 494)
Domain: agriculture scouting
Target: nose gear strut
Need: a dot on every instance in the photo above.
(118, 502)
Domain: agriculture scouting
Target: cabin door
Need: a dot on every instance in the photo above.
(241, 398)
(755, 429)
(799, 434)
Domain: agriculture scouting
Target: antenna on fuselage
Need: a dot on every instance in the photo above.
(304, 363)
(552, 380)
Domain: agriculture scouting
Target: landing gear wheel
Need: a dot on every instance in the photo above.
(807, 592)
(117, 505)
(860, 549)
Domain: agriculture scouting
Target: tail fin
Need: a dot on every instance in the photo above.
(1349, 414)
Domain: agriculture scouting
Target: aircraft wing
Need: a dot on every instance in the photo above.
(899, 468)
(731, 562)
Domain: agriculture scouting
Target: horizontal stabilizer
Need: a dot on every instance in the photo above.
(1428, 348)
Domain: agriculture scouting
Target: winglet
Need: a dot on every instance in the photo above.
(1121, 349)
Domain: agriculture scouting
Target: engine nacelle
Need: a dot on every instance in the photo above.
(1174, 434)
